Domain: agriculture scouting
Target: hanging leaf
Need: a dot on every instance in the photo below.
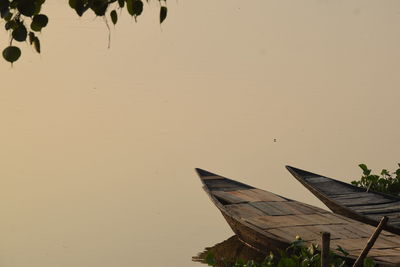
(41, 20)
(78, 6)
(38, 6)
(20, 33)
(163, 14)
(114, 17)
(11, 53)
(99, 7)
(36, 44)
(31, 37)
(6, 15)
(12, 24)
(72, 3)
(135, 7)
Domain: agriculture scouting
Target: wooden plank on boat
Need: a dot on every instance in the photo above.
(330, 187)
(247, 195)
(305, 208)
(388, 259)
(316, 179)
(307, 233)
(382, 206)
(229, 197)
(383, 242)
(269, 222)
(274, 208)
(224, 185)
(353, 202)
(341, 231)
(253, 195)
(285, 208)
(392, 208)
(244, 210)
(212, 177)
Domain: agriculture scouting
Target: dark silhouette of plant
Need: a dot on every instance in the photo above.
(24, 19)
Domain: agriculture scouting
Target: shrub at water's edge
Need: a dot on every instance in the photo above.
(296, 255)
(387, 182)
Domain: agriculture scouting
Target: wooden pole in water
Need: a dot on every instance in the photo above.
(360, 260)
(326, 238)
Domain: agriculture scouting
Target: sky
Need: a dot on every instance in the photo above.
(99, 146)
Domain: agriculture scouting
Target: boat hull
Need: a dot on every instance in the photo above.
(365, 207)
(266, 221)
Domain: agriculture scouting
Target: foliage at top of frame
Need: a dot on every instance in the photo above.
(24, 20)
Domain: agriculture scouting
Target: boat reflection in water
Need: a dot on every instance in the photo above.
(228, 252)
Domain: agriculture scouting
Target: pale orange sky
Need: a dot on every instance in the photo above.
(98, 146)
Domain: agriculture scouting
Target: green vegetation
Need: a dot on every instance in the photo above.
(296, 255)
(24, 21)
(386, 182)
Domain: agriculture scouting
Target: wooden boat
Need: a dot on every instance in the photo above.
(352, 201)
(266, 221)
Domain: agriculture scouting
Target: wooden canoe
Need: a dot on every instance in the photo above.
(267, 221)
(352, 201)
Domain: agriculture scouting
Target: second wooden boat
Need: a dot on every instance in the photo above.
(265, 221)
(352, 201)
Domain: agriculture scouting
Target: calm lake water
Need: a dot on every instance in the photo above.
(99, 146)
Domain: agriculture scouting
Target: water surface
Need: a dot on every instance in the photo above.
(99, 146)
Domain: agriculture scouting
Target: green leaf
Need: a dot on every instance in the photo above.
(342, 250)
(163, 14)
(368, 262)
(99, 7)
(365, 169)
(20, 33)
(10, 25)
(114, 17)
(26, 7)
(36, 44)
(6, 15)
(31, 37)
(40, 20)
(78, 6)
(210, 259)
(135, 7)
(35, 27)
(38, 7)
(11, 53)
(72, 3)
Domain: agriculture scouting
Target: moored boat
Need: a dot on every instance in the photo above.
(266, 221)
(351, 201)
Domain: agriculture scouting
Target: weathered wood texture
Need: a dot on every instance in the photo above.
(265, 220)
(325, 249)
(351, 201)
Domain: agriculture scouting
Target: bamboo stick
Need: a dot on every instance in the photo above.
(360, 260)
